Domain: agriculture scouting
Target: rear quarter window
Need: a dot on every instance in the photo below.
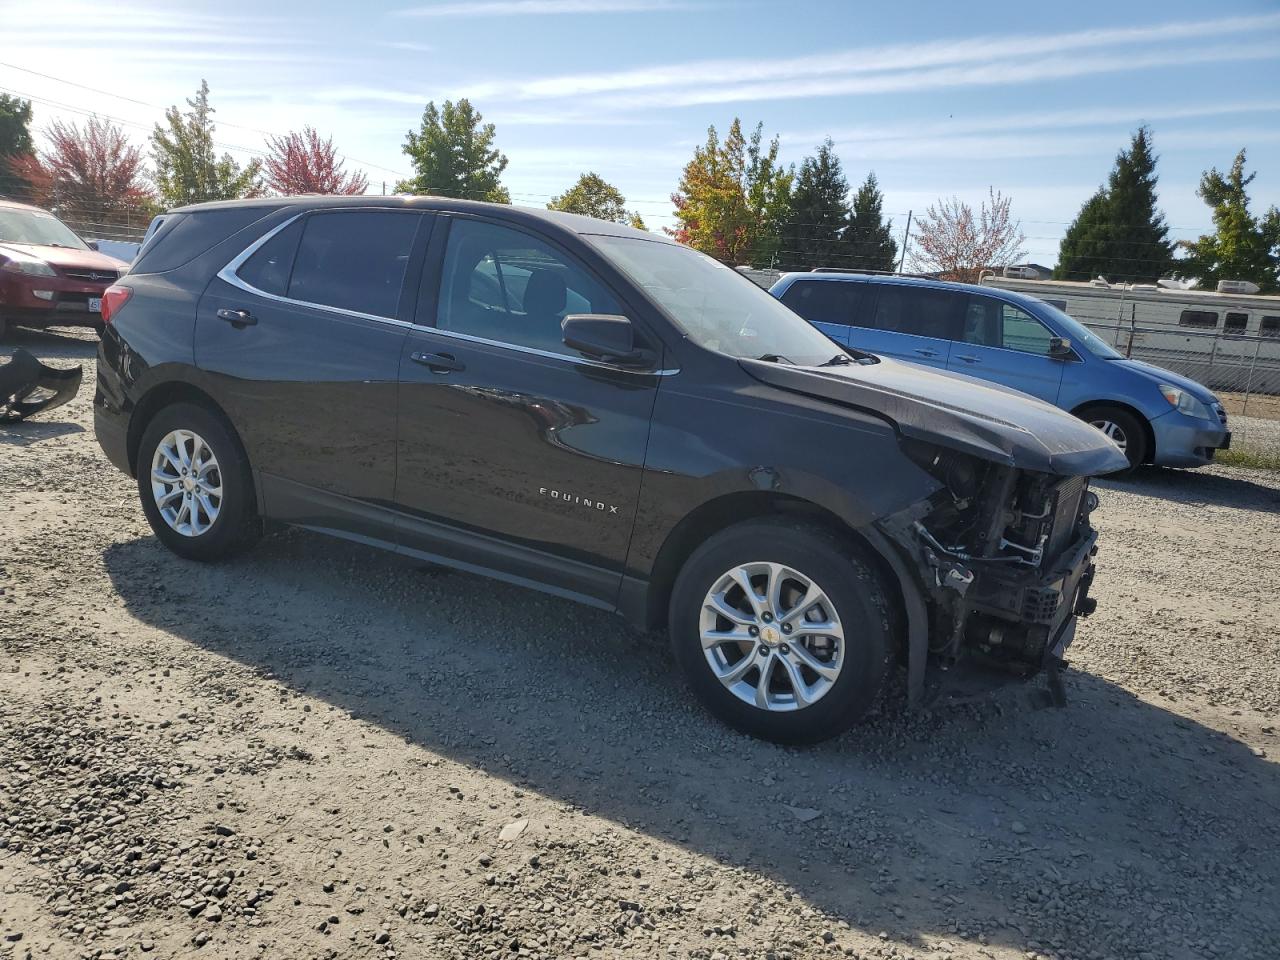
(188, 235)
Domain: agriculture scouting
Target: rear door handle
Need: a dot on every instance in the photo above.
(927, 353)
(438, 362)
(237, 318)
(968, 358)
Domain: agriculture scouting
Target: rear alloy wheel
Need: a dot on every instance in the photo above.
(195, 485)
(780, 630)
(1123, 429)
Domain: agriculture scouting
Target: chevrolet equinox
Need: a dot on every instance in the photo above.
(606, 415)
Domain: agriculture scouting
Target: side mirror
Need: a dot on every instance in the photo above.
(91, 244)
(602, 336)
(1060, 348)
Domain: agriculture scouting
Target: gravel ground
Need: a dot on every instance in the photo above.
(323, 751)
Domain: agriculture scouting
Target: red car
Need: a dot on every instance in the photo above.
(48, 275)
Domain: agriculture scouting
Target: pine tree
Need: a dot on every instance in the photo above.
(453, 155)
(812, 234)
(1082, 255)
(1243, 247)
(1119, 233)
(187, 169)
(868, 239)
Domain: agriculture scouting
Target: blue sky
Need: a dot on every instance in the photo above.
(939, 99)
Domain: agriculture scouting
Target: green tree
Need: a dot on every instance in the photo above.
(1119, 233)
(453, 155)
(812, 235)
(15, 141)
(593, 196)
(1243, 247)
(868, 240)
(734, 198)
(1083, 252)
(187, 168)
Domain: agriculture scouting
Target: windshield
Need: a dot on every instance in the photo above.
(40, 229)
(1080, 335)
(715, 306)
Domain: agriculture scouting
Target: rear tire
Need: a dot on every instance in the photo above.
(1127, 430)
(816, 682)
(195, 485)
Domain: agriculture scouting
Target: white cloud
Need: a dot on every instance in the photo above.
(516, 8)
(696, 74)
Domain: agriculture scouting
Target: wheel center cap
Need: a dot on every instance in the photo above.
(770, 635)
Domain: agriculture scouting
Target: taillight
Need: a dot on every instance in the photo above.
(113, 298)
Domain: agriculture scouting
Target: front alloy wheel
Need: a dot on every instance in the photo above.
(780, 628)
(771, 636)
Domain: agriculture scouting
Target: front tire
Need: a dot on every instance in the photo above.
(195, 485)
(1125, 429)
(781, 630)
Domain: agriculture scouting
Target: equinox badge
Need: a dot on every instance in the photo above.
(572, 499)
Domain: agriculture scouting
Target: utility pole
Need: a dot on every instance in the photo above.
(906, 238)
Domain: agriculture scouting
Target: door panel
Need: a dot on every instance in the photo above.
(516, 454)
(1008, 346)
(312, 390)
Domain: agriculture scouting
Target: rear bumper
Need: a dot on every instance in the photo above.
(1183, 441)
(111, 416)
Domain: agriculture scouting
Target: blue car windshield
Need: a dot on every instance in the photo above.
(1080, 335)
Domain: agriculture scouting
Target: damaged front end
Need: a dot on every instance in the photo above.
(28, 386)
(1004, 557)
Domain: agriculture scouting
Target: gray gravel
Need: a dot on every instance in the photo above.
(322, 751)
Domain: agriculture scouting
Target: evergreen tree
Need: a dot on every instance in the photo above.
(187, 169)
(868, 239)
(1082, 254)
(1119, 233)
(453, 155)
(1243, 247)
(812, 234)
(15, 142)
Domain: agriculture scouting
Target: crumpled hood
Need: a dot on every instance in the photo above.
(1161, 375)
(974, 416)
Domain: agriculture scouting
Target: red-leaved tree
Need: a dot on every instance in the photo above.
(952, 241)
(90, 175)
(304, 163)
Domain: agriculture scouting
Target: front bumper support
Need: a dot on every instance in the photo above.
(28, 386)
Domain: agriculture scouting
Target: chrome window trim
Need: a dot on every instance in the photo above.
(548, 354)
(228, 274)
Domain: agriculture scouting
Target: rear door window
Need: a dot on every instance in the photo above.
(918, 311)
(354, 260)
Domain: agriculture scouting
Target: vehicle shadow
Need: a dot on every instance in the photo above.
(1112, 827)
(1235, 489)
(28, 432)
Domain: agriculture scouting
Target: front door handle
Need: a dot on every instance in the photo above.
(438, 362)
(927, 353)
(237, 318)
(968, 358)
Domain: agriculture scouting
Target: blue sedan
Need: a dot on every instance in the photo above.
(1153, 415)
